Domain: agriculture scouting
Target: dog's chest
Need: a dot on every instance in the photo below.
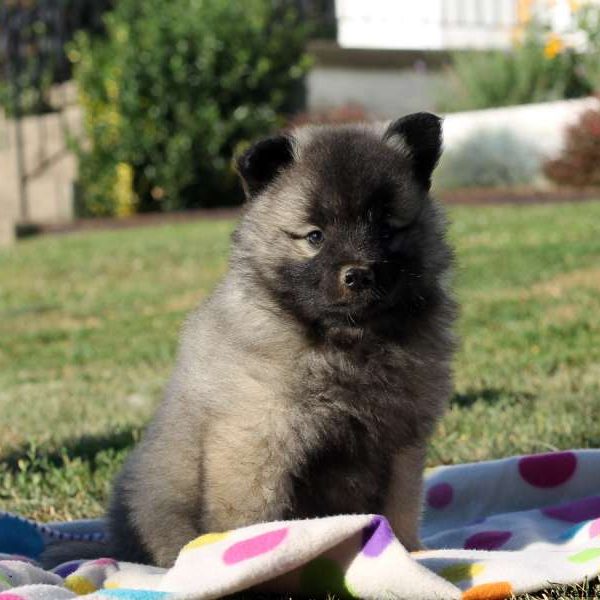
(348, 422)
(366, 392)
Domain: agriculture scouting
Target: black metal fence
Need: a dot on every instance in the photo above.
(33, 36)
(33, 40)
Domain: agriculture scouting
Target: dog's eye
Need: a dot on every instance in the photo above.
(386, 231)
(315, 237)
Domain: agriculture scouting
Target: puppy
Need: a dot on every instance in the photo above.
(309, 382)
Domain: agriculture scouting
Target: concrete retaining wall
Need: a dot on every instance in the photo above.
(384, 93)
(387, 83)
(541, 124)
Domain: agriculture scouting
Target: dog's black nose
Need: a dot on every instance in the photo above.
(358, 278)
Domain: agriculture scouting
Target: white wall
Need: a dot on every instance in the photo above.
(442, 24)
(541, 124)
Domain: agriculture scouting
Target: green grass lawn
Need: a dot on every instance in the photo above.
(89, 323)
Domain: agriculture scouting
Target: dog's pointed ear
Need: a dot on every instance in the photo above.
(420, 135)
(261, 163)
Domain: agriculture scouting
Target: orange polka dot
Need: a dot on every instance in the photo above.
(489, 591)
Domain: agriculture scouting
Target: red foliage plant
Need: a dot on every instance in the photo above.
(347, 113)
(579, 163)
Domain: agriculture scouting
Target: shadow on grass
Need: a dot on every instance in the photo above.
(86, 448)
(489, 396)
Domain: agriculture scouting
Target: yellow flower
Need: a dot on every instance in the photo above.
(554, 46)
(125, 199)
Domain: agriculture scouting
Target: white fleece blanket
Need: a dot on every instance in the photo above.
(495, 528)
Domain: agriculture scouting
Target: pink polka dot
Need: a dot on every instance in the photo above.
(548, 470)
(595, 528)
(575, 512)
(487, 540)
(440, 495)
(106, 562)
(260, 544)
(10, 597)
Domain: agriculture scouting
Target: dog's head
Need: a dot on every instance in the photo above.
(339, 224)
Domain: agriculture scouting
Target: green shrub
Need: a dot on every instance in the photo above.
(32, 97)
(588, 23)
(489, 158)
(173, 90)
(538, 69)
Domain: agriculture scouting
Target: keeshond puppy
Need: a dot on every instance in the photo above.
(309, 382)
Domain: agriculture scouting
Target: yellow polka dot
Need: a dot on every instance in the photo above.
(489, 591)
(80, 585)
(462, 571)
(204, 540)
(110, 585)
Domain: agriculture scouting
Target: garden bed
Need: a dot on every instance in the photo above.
(472, 196)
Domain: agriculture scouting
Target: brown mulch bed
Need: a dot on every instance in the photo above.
(140, 220)
(483, 196)
(480, 197)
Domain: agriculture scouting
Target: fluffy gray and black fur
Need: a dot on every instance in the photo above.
(309, 382)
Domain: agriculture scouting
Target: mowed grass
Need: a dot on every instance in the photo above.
(89, 323)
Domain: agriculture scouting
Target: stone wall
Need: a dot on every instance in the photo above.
(48, 161)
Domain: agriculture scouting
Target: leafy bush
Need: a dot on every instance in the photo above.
(28, 94)
(171, 93)
(538, 69)
(489, 158)
(579, 163)
(588, 23)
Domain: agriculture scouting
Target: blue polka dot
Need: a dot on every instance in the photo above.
(20, 537)
(133, 594)
(571, 532)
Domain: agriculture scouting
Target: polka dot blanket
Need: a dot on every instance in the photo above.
(492, 529)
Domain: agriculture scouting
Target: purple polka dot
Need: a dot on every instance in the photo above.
(575, 512)
(487, 540)
(595, 528)
(67, 568)
(548, 470)
(377, 536)
(440, 495)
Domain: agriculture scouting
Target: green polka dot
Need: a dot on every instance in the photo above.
(461, 571)
(322, 576)
(585, 555)
(5, 580)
